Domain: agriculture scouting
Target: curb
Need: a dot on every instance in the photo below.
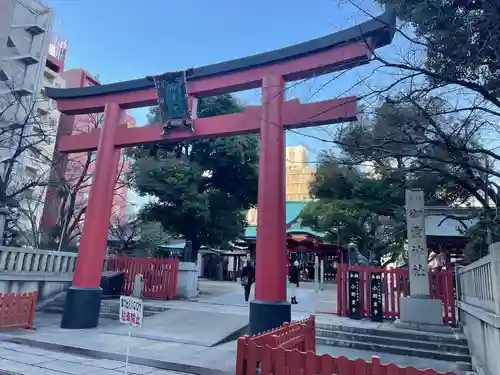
(163, 365)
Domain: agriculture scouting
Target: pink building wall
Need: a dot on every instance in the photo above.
(72, 165)
(84, 124)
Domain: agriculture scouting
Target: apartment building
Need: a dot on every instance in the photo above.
(25, 27)
(39, 161)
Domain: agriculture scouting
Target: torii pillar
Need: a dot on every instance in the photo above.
(270, 307)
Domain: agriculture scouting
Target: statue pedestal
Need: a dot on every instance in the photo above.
(187, 280)
(421, 313)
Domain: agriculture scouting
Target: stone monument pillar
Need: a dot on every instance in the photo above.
(418, 309)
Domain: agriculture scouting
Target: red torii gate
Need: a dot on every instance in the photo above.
(270, 70)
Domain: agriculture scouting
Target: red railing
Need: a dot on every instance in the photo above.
(264, 360)
(290, 350)
(160, 275)
(395, 286)
(18, 310)
(299, 335)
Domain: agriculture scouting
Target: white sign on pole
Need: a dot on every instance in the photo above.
(131, 311)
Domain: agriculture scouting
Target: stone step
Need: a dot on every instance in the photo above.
(447, 347)
(393, 341)
(114, 306)
(110, 309)
(457, 338)
(399, 350)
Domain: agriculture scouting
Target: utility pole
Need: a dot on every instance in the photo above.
(4, 210)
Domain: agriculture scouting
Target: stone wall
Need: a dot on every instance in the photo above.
(51, 272)
(479, 310)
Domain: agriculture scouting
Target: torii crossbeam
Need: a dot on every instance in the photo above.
(270, 71)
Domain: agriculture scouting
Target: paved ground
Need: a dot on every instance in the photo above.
(180, 339)
(310, 301)
(21, 359)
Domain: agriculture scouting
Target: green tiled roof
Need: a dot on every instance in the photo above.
(297, 228)
(177, 246)
(293, 209)
(251, 231)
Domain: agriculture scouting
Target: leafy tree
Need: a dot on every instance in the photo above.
(459, 39)
(152, 236)
(137, 238)
(202, 188)
(423, 143)
(435, 119)
(452, 60)
(348, 207)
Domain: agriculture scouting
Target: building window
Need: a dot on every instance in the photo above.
(37, 130)
(30, 173)
(29, 193)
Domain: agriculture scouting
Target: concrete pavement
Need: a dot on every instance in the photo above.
(22, 359)
(182, 339)
(231, 294)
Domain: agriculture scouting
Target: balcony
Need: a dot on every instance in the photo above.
(24, 90)
(31, 59)
(45, 106)
(35, 29)
(27, 58)
(32, 27)
(50, 75)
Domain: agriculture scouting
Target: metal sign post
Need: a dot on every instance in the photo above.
(316, 274)
(131, 313)
(321, 274)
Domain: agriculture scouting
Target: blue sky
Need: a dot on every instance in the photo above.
(126, 39)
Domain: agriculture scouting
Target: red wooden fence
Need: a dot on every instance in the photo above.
(18, 310)
(266, 354)
(298, 335)
(264, 360)
(160, 275)
(395, 286)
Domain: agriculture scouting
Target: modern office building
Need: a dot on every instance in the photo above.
(299, 174)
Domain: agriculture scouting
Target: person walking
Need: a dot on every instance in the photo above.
(294, 281)
(247, 278)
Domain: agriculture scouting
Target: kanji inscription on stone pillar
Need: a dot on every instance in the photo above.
(417, 246)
